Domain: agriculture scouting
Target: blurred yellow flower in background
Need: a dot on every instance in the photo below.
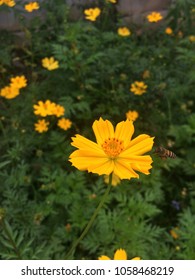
(18, 82)
(169, 31)
(9, 92)
(115, 152)
(192, 38)
(138, 87)
(154, 17)
(124, 31)
(9, 3)
(58, 110)
(31, 6)
(132, 115)
(50, 63)
(92, 13)
(64, 123)
(115, 180)
(112, 1)
(41, 126)
(44, 108)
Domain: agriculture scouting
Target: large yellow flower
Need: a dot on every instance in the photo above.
(115, 152)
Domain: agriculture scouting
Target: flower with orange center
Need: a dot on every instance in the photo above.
(19, 81)
(41, 126)
(44, 108)
(9, 92)
(58, 110)
(132, 115)
(92, 13)
(154, 17)
(115, 152)
(124, 31)
(120, 254)
(138, 88)
(64, 123)
(50, 63)
(31, 6)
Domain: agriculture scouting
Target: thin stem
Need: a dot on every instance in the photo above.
(91, 220)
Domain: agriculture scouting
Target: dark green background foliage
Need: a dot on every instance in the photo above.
(44, 202)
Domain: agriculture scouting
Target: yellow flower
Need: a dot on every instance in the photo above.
(112, 1)
(173, 233)
(120, 254)
(138, 88)
(192, 38)
(115, 180)
(64, 123)
(31, 6)
(9, 92)
(41, 126)
(124, 31)
(132, 115)
(18, 82)
(92, 13)
(169, 31)
(44, 108)
(58, 111)
(115, 152)
(9, 3)
(154, 17)
(50, 63)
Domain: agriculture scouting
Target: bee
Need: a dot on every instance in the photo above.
(164, 153)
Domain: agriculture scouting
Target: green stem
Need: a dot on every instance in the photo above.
(91, 220)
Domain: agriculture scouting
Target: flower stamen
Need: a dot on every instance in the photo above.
(113, 147)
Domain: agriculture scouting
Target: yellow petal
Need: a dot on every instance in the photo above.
(83, 143)
(138, 146)
(103, 130)
(124, 131)
(136, 259)
(124, 170)
(103, 258)
(120, 255)
(102, 166)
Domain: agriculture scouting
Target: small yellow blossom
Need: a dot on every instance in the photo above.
(115, 180)
(138, 88)
(64, 123)
(192, 38)
(173, 233)
(169, 31)
(9, 92)
(18, 82)
(31, 6)
(124, 31)
(120, 254)
(115, 151)
(112, 1)
(92, 13)
(132, 115)
(9, 3)
(50, 63)
(41, 126)
(154, 17)
(58, 111)
(44, 108)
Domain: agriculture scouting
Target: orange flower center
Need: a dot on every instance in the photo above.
(113, 147)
